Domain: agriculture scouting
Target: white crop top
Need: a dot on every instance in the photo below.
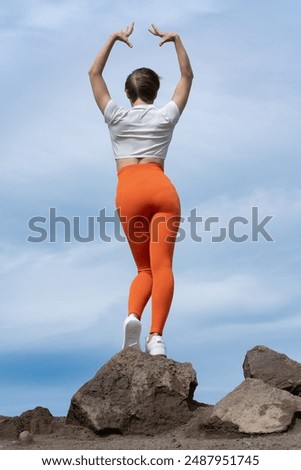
(141, 131)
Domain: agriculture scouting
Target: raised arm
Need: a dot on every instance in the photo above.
(183, 87)
(99, 87)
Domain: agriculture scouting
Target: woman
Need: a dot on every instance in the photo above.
(146, 200)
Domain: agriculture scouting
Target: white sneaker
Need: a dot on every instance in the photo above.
(131, 332)
(156, 346)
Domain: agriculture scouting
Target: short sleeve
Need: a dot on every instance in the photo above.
(171, 112)
(113, 112)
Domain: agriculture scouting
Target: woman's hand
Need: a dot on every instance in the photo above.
(166, 37)
(124, 34)
(100, 89)
(182, 89)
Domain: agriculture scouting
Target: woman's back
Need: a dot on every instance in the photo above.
(142, 130)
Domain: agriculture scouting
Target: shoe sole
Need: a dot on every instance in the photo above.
(157, 353)
(132, 331)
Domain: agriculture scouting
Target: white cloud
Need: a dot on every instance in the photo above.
(48, 294)
(230, 296)
(59, 138)
(277, 208)
(49, 16)
(246, 332)
(238, 128)
(43, 14)
(277, 201)
(174, 13)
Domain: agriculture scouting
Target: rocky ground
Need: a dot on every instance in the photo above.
(73, 437)
(138, 402)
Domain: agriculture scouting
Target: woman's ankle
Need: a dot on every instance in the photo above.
(135, 315)
(153, 334)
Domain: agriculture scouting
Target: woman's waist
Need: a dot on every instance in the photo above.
(138, 161)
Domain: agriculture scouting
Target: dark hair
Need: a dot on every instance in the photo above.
(142, 83)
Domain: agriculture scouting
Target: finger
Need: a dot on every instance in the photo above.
(128, 43)
(152, 30)
(131, 27)
(155, 31)
(167, 37)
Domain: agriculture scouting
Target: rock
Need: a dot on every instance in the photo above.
(197, 425)
(273, 368)
(254, 407)
(25, 438)
(135, 393)
(37, 421)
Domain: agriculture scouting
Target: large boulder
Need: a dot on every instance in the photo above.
(135, 393)
(273, 368)
(254, 407)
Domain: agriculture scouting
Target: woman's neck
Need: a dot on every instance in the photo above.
(140, 101)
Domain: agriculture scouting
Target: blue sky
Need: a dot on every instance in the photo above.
(237, 146)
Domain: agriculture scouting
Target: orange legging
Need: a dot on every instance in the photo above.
(149, 209)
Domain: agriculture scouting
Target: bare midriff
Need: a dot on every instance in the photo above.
(122, 162)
